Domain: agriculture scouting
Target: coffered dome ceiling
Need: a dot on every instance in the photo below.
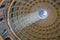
(26, 23)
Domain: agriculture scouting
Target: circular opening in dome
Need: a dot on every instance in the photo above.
(43, 14)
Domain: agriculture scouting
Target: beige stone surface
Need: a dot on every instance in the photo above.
(1, 37)
(1, 1)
